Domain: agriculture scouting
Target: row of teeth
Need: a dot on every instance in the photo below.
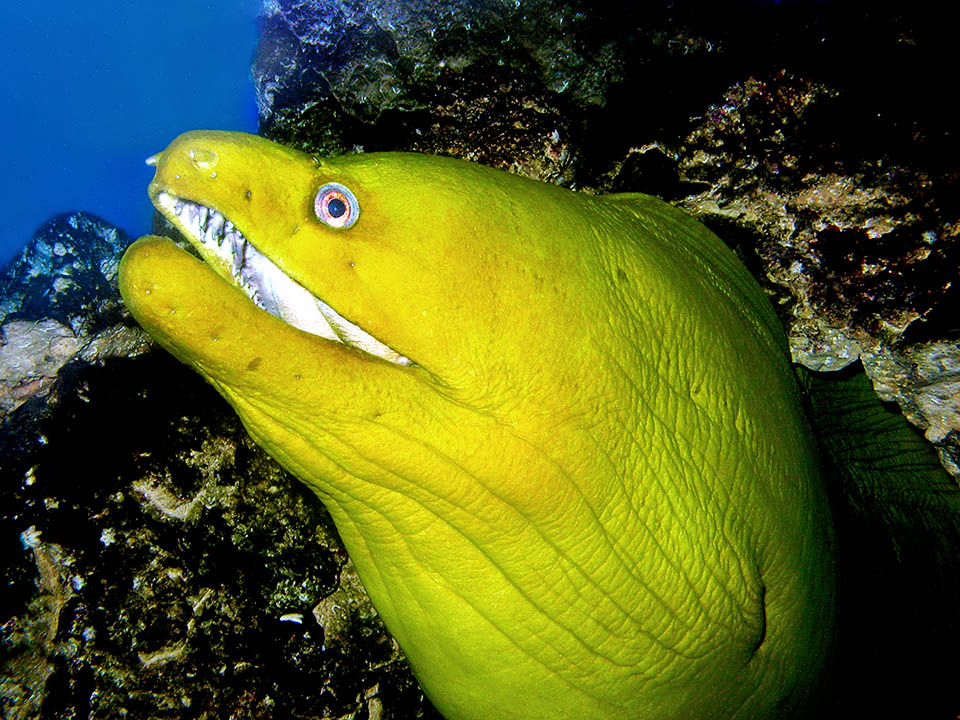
(222, 245)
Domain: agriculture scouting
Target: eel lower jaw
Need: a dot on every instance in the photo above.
(221, 244)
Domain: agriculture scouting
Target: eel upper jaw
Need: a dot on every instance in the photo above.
(224, 247)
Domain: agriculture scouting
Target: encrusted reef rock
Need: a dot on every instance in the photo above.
(58, 301)
(863, 248)
(489, 81)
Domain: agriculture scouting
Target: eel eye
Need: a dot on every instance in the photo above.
(336, 206)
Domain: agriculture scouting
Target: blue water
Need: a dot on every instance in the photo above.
(93, 88)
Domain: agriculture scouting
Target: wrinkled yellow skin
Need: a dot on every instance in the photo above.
(593, 495)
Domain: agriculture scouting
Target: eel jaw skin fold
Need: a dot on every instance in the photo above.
(592, 494)
(235, 258)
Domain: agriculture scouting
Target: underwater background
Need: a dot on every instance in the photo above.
(94, 88)
(157, 563)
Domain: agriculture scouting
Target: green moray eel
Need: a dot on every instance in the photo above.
(559, 434)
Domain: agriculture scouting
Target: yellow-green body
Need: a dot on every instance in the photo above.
(590, 495)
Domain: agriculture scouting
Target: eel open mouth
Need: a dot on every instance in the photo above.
(272, 290)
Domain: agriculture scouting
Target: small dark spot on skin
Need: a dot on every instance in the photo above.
(296, 377)
(254, 364)
(621, 275)
(351, 263)
(248, 194)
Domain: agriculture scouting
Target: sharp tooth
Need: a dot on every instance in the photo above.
(239, 251)
(280, 295)
(215, 228)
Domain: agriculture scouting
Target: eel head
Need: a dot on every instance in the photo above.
(558, 434)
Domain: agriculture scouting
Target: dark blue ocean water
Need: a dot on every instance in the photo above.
(92, 88)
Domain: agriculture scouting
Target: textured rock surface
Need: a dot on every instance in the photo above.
(58, 302)
(472, 79)
(863, 251)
